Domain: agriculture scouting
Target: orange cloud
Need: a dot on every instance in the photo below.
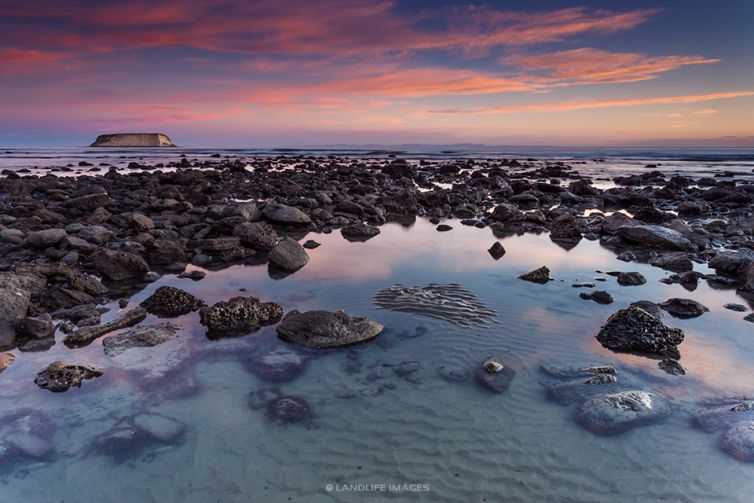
(591, 66)
(570, 106)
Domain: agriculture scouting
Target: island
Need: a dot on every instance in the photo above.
(133, 140)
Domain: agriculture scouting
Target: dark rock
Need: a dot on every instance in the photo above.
(565, 227)
(444, 228)
(631, 279)
(238, 316)
(541, 275)
(311, 244)
(119, 265)
(359, 232)
(581, 388)
(285, 214)
(599, 296)
(619, 412)
(672, 367)
(496, 250)
(45, 238)
(684, 308)
(637, 331)
(656, 236)
(194, 275)
(165, 252)
(324, 329)
(139, 337)
(37, 327)
(218, 244)
(676, 262)
(736, 307)
(288, 255)
(170, 301)
(60, 376)
(258, 236)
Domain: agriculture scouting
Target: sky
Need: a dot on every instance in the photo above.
(234, 73)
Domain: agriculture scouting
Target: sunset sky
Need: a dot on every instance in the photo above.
(326, 72)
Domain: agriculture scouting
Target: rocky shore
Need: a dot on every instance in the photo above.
(69, 245)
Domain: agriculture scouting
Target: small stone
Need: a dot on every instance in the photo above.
(288, 255)
(496, 250)
(170, 301)
(311, 244)
(541, 275)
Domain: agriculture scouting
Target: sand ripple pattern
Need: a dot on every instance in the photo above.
(449, 302)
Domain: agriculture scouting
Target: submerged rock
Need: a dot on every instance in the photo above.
(619, 412)
(60, 376)
(684, 308)
(277, 366)
(239, 316)
(26, 437)
(288, 255)
(170, 301)
(288, 409)
(133, 436)
(494, 375)
(722, 413)
(576, 384)
(541, 275)
(325, 329)
(738, 442)
(139, 337)
(635, 330)
(453, 373)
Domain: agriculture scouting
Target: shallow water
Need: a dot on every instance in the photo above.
(453, 441)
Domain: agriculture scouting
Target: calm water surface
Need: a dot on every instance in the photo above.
(456, 441)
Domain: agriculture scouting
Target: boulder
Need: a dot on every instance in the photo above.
(635, 330)
(14, 304)
(566, 228)
(45, 238)
(89, 202)
(60, 376)
(169, 301)
(258, 236)
(631, 279)
(325, 329)
(720, 414)
(496, 250)
(238, 316)
(619, 412)
(288, 255)
(119, 265)
(359, 232)
(656, 236)
(165, 252)
(284, 214)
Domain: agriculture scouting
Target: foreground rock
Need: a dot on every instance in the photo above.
(541, 275)
(496, 250)
(619, 412)
(738, 442)
(720, 414)
(140, 337)
(575, 384)
(239, 316)
(133, 140)
(131, 437)
(60, 376)
(86, 335)
(169, 301)
(635, 330)
(288, 255)
(325, 329)
(27, 436)
(493, 375)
